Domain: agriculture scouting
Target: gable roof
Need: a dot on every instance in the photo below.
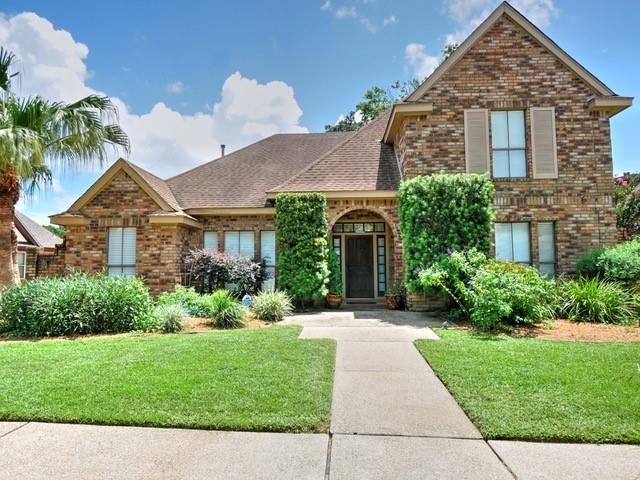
(360, 163)
(506, 9)
(33, 233)
(153, 186)
(242, 178)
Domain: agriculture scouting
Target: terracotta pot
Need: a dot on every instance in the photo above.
(391, 301)
(334, 301)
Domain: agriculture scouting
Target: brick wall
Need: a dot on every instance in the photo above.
(508, 69)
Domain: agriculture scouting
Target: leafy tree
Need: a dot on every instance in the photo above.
(627, 199)
(37, 134)
(56, 230)
(448, 49)
(373, 104)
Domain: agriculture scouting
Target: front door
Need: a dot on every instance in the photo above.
(359, 265)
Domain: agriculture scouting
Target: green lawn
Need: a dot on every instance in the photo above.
(253, 379)
(540, 389)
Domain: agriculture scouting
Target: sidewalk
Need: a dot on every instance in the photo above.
(391, 419)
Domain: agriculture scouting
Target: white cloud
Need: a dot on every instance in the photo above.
(420, 61)
(162, 140)
(344, 12)
(175, 87)
(366, 23)
(470, 13)
(326, 5)
(390, 20)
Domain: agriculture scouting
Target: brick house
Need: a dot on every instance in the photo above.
(38, 249)
(508, 103)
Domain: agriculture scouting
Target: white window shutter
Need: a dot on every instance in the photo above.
(543, 142)
(476, 140)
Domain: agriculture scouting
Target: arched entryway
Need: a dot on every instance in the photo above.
(366, 244)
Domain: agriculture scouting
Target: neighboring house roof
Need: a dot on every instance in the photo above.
(242, 178)
(360, 163)
(505, 9)
(30, 232)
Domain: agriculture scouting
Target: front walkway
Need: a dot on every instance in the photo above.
(391, 419)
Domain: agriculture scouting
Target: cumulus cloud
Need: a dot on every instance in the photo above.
(165, 141)
(419, 60)
(175, 87)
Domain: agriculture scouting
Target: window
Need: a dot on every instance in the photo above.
(512, 242)
(121, 258)
(508, 144)
(239, 244)
(211, 240)
(268, 253)
(359, 227)
(382, 265)
(22, 264)
(547, 248)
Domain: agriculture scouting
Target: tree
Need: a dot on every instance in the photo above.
(374, 103)
(627, 201)
(36, 135)
(56, 230)
(448, 49)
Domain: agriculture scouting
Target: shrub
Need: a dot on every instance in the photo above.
(490, 292)
(301, 229)
(209, 270)
(442, 213)
(627, 199)
(272, 306)
(594, 300)
(509, 293)
(169, 318)
(226, 311)
(335, 274)
(77, 304)
(587, 265)
(622, 262)
(191, 301)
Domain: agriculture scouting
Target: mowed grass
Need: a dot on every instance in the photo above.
(539, 389)
(254, 379)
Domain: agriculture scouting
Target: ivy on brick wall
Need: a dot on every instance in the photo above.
(441, 213)
(301, 231)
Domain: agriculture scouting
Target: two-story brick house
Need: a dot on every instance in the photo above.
(508, 102)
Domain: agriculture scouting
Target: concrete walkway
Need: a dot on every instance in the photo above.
(391, 419)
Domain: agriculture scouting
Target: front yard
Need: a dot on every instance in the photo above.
(541, 390)
(251, 379)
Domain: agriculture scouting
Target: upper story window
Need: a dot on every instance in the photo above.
(508, 144)
(121, 255)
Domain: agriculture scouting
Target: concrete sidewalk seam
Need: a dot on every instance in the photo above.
(401, 435)
(14, 430)
(501, 459)
(327, 468)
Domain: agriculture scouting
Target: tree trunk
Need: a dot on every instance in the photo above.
(9, 194)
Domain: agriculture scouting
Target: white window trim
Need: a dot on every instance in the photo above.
(22, 275)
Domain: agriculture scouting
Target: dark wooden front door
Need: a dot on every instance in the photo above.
(359, 264)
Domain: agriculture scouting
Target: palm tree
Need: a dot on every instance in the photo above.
(36, 135)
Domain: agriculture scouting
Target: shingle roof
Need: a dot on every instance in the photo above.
(160, 186)
(242, 178)
(360, 163)
(35, 233)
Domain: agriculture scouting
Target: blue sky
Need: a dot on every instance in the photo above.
(188, 78)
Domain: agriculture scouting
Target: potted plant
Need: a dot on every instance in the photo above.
(395, 296)
(334, 297)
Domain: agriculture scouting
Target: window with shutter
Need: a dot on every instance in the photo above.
(121, 251)
(268, 254)
(476, 140)
(508, 151)
(211, 240)
(543, 142)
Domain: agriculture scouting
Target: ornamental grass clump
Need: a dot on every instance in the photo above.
(272, 306)
(169, 318)
(191, 301)
(595, 300)
(226, 311)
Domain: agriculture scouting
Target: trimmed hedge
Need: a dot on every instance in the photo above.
(301, 226)
(619, 263)
(77, 304)
(440, 214)
(209, 271)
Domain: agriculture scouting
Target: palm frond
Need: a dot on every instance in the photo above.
(7, 60)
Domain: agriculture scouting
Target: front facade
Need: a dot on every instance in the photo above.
(508, 103)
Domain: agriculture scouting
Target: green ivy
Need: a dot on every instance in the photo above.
(301, 231)
(442, 213)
